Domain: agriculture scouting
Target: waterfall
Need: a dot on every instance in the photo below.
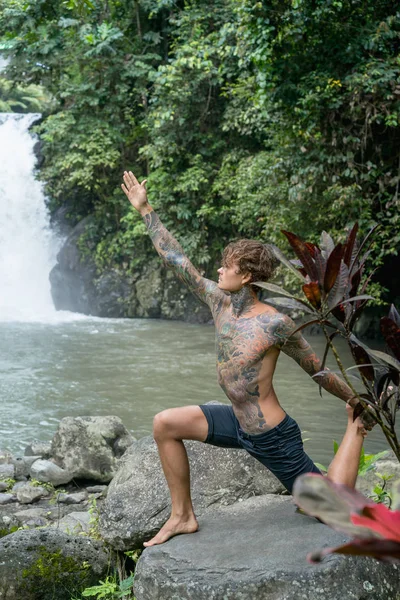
(27, 246)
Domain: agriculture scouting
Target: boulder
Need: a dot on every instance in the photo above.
(137, 502)
(32, 517)
(152, 291)
(388, 465)
(90, 447)
(39, 449)
(46, 564)
(6, 498)
(180, 304)
(47, 472)
(72, 278)
(149, 292)
(5, 457)
(27, 494)
(74, 523)
(76, 498)
(7, 471)
(256, 550)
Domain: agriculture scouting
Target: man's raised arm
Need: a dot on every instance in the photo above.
(168, 248)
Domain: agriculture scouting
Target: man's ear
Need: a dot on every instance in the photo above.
(246, 278)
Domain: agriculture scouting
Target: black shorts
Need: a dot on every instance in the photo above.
(280, 449)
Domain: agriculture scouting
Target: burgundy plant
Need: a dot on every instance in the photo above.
(334, 284)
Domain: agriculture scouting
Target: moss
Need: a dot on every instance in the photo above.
(5, 531)
(54, 576)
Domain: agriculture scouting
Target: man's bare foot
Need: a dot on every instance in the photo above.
(174, 526)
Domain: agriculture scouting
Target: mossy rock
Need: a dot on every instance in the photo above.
(49, 565)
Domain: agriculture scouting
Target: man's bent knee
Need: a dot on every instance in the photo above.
(185, 423)
(162, 425)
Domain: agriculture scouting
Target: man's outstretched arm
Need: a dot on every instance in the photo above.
(168, 248)
(297, 347)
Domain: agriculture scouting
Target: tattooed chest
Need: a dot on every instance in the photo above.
(243, 342)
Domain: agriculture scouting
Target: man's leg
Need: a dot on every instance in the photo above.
(344, 467)
(171, 427)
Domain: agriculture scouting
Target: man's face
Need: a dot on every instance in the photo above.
(230, 279)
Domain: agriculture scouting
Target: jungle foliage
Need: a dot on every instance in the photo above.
(246, 117)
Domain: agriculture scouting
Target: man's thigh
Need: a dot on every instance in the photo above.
(183, 423)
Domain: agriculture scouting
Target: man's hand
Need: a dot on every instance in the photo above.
(136, 193)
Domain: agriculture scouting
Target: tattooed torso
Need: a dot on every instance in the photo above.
(247, 346)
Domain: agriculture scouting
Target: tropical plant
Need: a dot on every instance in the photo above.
(334, 287)
(375, 529)
(110, 589)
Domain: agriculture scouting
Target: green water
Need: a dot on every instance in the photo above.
(134, 369)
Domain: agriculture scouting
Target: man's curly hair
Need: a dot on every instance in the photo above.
(251, 257)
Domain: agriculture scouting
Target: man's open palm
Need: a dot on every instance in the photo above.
(135, 191)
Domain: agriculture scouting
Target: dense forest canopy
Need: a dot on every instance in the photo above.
(246, 117)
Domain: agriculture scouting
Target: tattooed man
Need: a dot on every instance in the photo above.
(250, 335)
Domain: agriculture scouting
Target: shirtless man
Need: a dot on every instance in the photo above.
(250, 336)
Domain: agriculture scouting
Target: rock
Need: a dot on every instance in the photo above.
(28, 494)
(18, 485)
(385, 466)
(5, 457)
(47, 472)
(21, 470)
(153, 291)
(149, 293)
(4, 486)
(71, 498)
(6, 498)
(90, 447)
(72, 278)
(96, 489)
(46, 564)
(115, 295)
(179, 303)
(137, 501)
(74, 523)
(256, 550)
(32, 517)
(38, 449)
(7, 471)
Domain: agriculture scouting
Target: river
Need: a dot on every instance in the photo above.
(133, 369)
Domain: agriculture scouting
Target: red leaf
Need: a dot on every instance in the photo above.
(391, 333)
(384, 550)
(313, 293)
(312, 248)
(303, 253)
(333, 267)
(362, 358)
(348, 254)
(355, 282)
(379, 518)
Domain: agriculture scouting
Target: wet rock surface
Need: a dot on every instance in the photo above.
(153, 292)
(257, 550)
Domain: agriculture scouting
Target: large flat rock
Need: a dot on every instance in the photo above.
(256, 550)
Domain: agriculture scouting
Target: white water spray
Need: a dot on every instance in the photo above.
(27, 246)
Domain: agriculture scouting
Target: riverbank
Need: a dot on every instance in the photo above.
(71, 535)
